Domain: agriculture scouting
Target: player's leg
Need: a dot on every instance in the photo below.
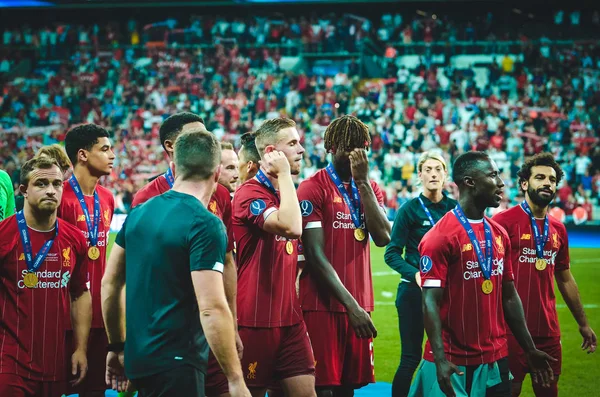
(181, 381)
(358, 368)
(94, 383)
(517, 364)
(410, 318)
(260, 349)
(327, 337)
(14, 385)
(503, 389)
(551, 391)
(553, 348)
(295, 362)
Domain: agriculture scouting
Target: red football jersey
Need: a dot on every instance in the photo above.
(473, 327)
(536, 288)
(70, 211)
(266, 270)
(323, 206)
(32, 320)
(220, 202)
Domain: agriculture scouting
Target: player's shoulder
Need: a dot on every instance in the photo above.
(69, 232)
(222, 194)
(104, 193)
(8, 234)
(148, 191)
(443, 229)
(5, 178)
(508, 216)
(500, 228)
(315, 181)
(249, 190)
(8, 225)
(557, 224)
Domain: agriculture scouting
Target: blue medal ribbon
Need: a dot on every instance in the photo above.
(169, 177)
(540, 240)
(427, 212)
(33, 264)
(485, 263)
(262, 178)
(354, 203)
(92, 229)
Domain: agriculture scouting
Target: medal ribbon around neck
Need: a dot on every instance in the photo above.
(170, 178)
(427, 212)
(262, 178)
(92, 228)
(33, 264)
(354, 203)
(540, 240)
(485, 263)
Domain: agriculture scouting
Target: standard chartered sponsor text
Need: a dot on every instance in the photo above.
(471, 273)
(48, 279)
(529, 255)
(344, 221)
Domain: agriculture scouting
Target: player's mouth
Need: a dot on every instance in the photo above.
(499, 194)
(545, 192)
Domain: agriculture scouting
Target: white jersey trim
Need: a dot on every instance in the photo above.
(269, 212)
(313, 225)
(301, 258)
(432, 283)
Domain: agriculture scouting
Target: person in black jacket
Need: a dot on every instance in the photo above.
(413, 220)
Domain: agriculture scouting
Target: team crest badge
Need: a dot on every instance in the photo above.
(499, 245)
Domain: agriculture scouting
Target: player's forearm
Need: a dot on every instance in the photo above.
(81, 319)
(570, 294)
(376, 221)
(515, 316)
(217, 325)
(326, 275)
(113, 310)
(230, 283)
(433, 322)
(289, 213)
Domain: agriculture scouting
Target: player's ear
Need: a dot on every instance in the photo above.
(217, 173)
(524, 186)
(469, 181)
(269, 148)
(23, 190)
(82, 155)
(169, 147)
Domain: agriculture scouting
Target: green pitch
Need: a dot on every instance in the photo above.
(581, 372)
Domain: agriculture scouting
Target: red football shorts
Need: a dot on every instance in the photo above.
(341, 357)
(273, 354)
(215, 382)
(518, 362)
(15, 386)
(96, 356)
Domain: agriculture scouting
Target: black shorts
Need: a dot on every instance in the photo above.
(181, 381)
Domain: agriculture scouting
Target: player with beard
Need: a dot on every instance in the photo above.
(44, 264)
(341, 209)
(229, 167)
(540, 254)
(267, 224)
(249, 157)
(219, 205)
(90, 207)
(469, 296)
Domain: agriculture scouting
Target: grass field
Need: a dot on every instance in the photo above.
(581, 372)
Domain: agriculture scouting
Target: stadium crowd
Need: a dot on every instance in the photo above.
(544, 98)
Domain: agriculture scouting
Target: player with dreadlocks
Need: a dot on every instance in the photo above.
(341, 208)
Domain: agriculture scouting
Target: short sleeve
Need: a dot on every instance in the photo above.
(311, 204)
(207, 244)
(256, 206)
(79, 277)
(435, 259)
(563, 260)
(120, 240)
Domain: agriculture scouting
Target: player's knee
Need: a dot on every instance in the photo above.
(551, 391)
(516, 388)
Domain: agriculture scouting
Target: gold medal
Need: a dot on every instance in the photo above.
(359, 234)
(487, 287)
(540, 264)
(93, 253)
(289, 248)
(30, 280)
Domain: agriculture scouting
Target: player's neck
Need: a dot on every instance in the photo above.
(470, 207)
(435, 196)
(202, 190)
(344, 173)
(87, 181)
(538, 211)
(39, 220)
(273, 181)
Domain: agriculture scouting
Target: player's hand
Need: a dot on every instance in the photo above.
(362, 323)
(539, 366)
(589, 339)
(115, 371)
(239, 346)
(359, 165)
(275, 163)
(79, 366)
(238, 389)
(418, 279)
(445, 369)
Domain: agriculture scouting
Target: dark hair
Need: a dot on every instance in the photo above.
(541, 159)
(197, 154)
(347, 133)
(43, 163)
(267, 132)
(249, 147)
(465, 163)
(84, 137)
(173, 125)
(226, 146)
